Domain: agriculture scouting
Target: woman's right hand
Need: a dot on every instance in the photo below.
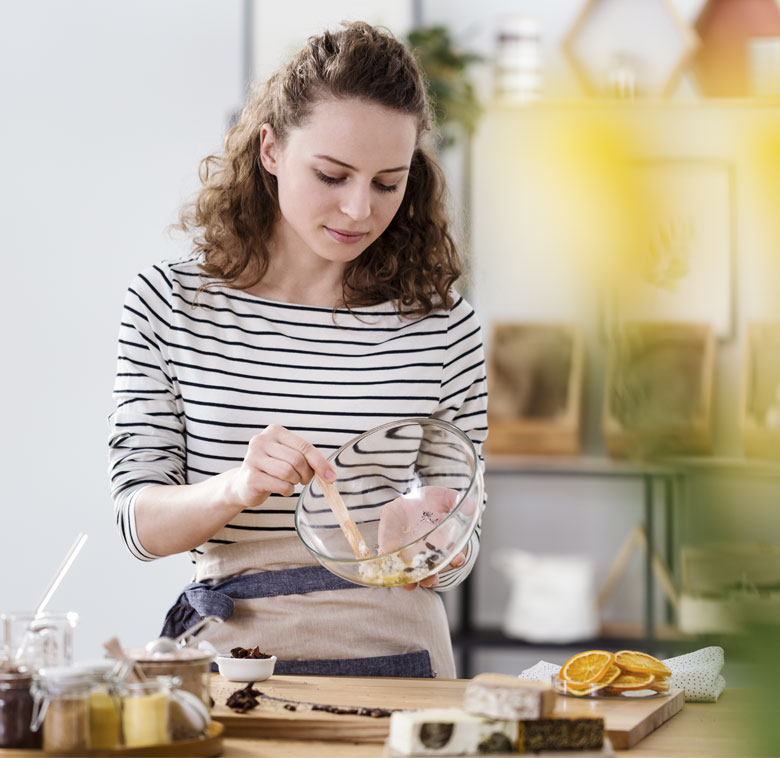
(276, 460)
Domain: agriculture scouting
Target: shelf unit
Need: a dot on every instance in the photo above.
(673, 477)
(468, 636)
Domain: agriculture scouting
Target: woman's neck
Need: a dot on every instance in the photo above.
(299, 279)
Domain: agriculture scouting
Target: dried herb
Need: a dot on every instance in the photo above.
(245, 652)
(244, 700)
(376, 713)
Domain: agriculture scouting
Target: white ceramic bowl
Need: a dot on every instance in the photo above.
(245, 669)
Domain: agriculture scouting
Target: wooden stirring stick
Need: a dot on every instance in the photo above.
(134, 671)
(348, 526)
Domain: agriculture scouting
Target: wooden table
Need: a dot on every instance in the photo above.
(700, 730)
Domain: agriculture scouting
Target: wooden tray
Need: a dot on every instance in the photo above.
(649, 358)
(521, 369)
(626, 722)
(203, 747)
(758, 388)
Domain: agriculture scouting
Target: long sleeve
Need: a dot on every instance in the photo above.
(463, 402)
(146, 439)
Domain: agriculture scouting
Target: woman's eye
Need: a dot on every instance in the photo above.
(386, 187)
(328, 179)
(338, 180)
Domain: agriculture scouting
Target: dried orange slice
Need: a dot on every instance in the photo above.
(659, 686)
(640, 663)
(609, 676)
(586, 667)
(631, 681)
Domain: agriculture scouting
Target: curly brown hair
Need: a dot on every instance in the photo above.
(415, 262)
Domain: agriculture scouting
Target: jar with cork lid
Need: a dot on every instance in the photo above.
(61, 707)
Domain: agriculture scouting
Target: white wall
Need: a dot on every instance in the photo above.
(280, 28)
(107, 109)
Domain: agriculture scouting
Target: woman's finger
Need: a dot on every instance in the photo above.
(313, 457)
(292, 458)
(276, 442)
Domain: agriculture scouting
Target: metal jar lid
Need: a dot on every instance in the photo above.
(15, 678)
(62, 679)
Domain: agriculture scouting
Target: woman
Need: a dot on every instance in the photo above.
(317, 304)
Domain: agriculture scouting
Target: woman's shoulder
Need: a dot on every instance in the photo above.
(170, 275)
(460, 308)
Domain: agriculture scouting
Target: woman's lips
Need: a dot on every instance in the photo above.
(345, 237)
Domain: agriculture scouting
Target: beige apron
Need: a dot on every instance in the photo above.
(355, 623)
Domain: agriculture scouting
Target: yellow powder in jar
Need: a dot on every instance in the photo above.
(145, 720)
(103, 722)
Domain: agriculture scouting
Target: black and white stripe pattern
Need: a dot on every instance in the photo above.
(196, 380)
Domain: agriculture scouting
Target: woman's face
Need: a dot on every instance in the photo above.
(341, 177)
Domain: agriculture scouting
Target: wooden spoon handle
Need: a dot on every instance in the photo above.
(348, 526)
(134, 671)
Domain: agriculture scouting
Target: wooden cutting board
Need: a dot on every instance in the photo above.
(626, 722)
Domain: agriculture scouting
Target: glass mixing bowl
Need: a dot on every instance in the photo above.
(413, 488)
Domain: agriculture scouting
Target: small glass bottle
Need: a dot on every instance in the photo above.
(146, 711)
(105, 705)
(61, 705)
(16, 706)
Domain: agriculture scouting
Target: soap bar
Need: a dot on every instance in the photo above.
(500, 696)
(449, 731)
(557, 733)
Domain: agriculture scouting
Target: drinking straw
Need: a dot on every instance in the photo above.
(61, 571)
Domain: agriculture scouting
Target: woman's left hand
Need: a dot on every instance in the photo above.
(409, 517)
(433, 579)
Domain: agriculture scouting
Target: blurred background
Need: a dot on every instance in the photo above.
(614, 168)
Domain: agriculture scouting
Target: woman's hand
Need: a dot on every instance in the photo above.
(433, 579)
(407, 518)
(275, 461)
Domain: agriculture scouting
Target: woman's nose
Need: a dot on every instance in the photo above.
(356, 202)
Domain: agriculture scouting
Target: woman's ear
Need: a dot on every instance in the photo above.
(268, 148)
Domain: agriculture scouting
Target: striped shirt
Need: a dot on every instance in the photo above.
(199, 374)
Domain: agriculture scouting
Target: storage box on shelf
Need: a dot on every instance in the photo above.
(725, 586)
(658, 395)
(760, 391)
(536, 374)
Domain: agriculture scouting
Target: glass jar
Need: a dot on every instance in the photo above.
(192, 666)
(146, 708)
(16, 706)
(61, 705)
(42, 641)
(105, 704)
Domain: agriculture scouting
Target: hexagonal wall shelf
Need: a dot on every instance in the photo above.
(641, 44)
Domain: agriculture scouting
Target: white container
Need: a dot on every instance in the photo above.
(245, 669)
(553, 597)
